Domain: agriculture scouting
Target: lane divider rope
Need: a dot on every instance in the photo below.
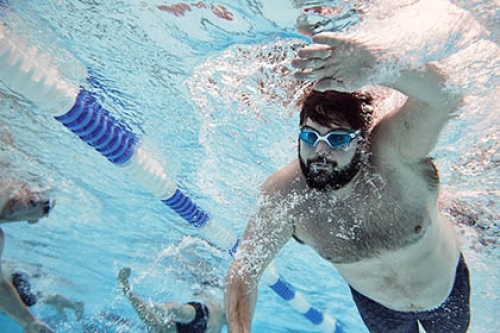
(21, 71)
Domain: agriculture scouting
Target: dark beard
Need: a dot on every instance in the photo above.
(334, 180)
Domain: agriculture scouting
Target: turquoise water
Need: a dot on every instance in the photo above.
(208, 93)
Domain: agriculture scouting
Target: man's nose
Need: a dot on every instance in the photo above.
(322, 148)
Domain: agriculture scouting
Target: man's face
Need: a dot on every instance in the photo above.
(324, 166)
(22, 204)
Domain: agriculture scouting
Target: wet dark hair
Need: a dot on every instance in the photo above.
(333, 106)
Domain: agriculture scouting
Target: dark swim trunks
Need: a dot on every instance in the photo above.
(23, 287)
(452, 316)
(199, 323)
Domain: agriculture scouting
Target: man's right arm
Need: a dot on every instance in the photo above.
(263, 238)
(240, 298)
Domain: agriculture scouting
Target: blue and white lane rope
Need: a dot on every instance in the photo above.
(21, 71)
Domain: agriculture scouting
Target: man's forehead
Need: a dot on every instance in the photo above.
(320, 128)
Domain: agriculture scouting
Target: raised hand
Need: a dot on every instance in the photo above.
(337, 63)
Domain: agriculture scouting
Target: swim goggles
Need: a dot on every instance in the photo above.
(336, 139)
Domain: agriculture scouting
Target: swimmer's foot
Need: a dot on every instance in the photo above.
(124, 274)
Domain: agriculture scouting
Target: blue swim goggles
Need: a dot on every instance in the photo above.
(336, 139)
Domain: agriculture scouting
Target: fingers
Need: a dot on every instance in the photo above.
(314, 69)
(311, 75)
(329, 61)
(315, 57)
(301, 63)
(330, 84)
(331, 39)
(315, 63)
(328, 39)
(317, 74)
(315, 51)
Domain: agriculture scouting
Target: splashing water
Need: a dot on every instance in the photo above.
(207, 87)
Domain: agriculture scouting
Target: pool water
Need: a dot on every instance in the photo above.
(206, 87)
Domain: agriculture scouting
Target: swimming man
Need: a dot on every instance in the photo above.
(174, 317)
(364, 197)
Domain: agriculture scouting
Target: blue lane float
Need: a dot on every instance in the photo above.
(95, 126)
(187, 209)
(20, 70)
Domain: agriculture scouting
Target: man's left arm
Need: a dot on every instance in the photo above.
(414, 130)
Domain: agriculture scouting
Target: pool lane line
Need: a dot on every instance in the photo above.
(22, 71)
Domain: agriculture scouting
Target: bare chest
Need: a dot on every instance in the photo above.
(376, 216)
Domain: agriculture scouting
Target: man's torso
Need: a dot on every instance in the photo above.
(384, 234)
